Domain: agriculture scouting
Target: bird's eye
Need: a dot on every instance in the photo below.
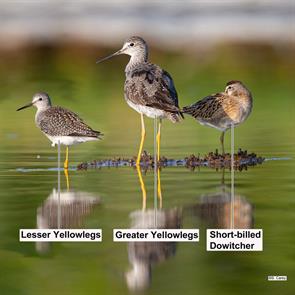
(229, 88)
(131, 44)
(40, 98)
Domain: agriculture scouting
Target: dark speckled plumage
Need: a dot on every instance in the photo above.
(60, 125)
(148, 89)
(57, 121)
(222, 109)
(148, 85)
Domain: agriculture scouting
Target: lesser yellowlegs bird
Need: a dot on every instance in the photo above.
(60, 125)
(148, 89)
(221, 110)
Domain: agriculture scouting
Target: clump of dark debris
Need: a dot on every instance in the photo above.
(215, 160)
(212, 160)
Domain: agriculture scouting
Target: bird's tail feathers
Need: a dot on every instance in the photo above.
(176, 117)
(98, 134)
(190, 110)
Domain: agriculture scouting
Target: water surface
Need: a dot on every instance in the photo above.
(110, 198)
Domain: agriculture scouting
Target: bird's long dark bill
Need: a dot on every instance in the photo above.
(110, 56)
(26, 106)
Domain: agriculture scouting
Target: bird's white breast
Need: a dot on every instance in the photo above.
(148, 111)
(69, 140)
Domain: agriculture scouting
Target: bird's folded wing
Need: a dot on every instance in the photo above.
(150, 86)
(58, 121)
(207, 108)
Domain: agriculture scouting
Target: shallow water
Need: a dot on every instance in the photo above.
(110, 198)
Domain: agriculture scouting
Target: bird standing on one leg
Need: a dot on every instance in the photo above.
(221, 110)
(60, 125)
(148, 89)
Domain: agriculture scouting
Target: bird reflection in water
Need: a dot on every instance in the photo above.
(65, 210)
(143, 256)
(220, 210)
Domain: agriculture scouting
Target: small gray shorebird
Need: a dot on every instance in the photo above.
(220, 110)
(60, 125)
(148, 89)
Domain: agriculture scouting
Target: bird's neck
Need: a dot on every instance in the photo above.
(246, 98)
(135, 60)
(40, 112)
(246, 103)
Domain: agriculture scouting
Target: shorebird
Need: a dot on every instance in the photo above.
(221, 110)
(148, 89)
(59, 124)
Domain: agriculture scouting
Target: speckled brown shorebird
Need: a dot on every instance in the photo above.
(220, 110)
(60, 125)
(148, 89)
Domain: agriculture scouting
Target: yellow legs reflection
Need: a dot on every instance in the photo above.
(159, 140)
(141, 141)
(66, 172)
(159, 190)
(66, 163)
(143, 189)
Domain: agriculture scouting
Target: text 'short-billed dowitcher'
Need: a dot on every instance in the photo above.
(148, 89)
(59, 124)
(221, 110)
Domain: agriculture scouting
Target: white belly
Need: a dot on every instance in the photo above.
(148, 111)
(204, 123)
(69, 140)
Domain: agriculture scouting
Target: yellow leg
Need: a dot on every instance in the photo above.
(159, 188)
(66, 163)
(143, 190)
(159, 140)
(141, 141)
(66, 172)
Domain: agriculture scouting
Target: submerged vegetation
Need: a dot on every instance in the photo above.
(215, 160)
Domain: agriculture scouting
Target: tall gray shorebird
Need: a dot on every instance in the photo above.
(220, 110)
(148, 89)
(60, 125)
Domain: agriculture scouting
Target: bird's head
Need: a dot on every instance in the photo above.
(40, 100)
(133, 46)
(236, 88)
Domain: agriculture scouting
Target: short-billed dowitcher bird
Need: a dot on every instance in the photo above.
(148, 89)
(60, 125)
(221, 110)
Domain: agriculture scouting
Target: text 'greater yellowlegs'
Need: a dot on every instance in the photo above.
(221, 110)
(60, 125)
(148, 89)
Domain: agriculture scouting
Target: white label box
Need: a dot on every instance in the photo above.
(60, 235)
(277, 278)
(234, 240)
(156, 235)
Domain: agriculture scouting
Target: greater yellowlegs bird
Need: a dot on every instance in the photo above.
(148, 89)
(60, 125)
(221, 110)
